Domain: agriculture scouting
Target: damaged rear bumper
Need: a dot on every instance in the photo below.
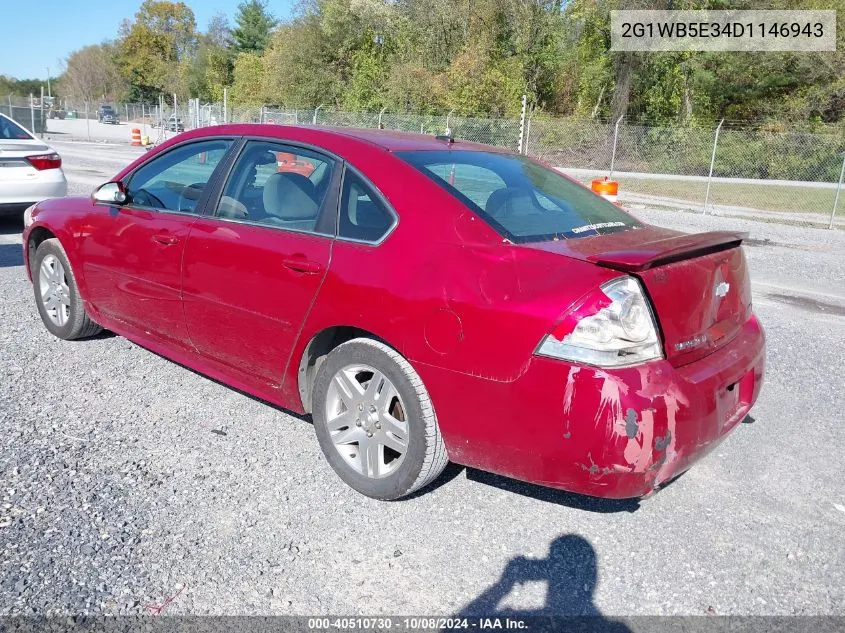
(608, 433)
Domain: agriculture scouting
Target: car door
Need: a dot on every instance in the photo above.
(132, 255)
(253, 266)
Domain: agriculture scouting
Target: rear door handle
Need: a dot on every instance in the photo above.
(165, 239)
(302, 266)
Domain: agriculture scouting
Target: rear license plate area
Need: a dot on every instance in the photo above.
(734, 399)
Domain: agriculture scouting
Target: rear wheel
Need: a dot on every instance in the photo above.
(375, 421)
(57, 296)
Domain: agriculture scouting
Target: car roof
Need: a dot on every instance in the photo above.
(396, 141)
(390, 140)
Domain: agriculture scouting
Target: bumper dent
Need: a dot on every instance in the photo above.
(608, 433)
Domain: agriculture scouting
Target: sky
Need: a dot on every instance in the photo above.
(33, 40)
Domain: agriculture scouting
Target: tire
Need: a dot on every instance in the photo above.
(57, 296)
(403, 397)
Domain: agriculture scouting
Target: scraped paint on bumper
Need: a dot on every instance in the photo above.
(609, 433)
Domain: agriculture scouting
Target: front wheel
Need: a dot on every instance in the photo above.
(57, 296)
(375, 421)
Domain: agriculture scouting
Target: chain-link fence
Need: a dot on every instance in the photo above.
(30, 113)
(792, 177)
(789, 177)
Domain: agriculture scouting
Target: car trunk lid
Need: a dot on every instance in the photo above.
(698, 284)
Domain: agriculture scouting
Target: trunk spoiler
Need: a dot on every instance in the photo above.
(668, 250)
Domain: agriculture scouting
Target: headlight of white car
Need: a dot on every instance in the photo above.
(27, 216)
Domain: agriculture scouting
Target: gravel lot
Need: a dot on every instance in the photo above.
(131, 484)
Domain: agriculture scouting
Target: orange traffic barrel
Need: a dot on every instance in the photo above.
(136, 136)
(606, 188)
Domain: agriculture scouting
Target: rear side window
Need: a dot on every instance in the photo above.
(10, 130)
(520, 198)
(363, 215)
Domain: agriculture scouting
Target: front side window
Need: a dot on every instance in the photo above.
(276, 185)
(520, 198)
(176, 180)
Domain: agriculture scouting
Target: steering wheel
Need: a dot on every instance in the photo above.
(189, 196)
(144, 198)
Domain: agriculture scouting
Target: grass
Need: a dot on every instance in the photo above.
(765, 197)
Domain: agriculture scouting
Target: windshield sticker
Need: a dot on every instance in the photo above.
(600, 225)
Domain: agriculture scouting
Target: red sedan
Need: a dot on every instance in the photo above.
(424, 299)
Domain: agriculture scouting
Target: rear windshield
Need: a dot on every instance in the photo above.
(520, 198)
(11, 130)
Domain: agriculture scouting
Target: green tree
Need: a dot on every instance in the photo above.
(211, 67)
(156, 49)
(20, 87)
(248, 85)
(254, 24)
(365, 89)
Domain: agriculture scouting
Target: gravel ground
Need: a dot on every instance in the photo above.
(133, 485)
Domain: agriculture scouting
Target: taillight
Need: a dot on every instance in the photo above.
(611, 327)
(45, 161)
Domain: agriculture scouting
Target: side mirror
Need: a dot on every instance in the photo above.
(110, 193)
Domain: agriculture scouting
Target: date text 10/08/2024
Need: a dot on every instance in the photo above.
(416, 623)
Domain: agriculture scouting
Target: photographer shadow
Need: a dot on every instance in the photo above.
(569, 571)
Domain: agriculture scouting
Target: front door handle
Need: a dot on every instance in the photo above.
(165, 239)
(303, 266)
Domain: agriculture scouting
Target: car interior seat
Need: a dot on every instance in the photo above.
(289, 202)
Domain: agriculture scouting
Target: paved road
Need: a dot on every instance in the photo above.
(94, 131)
(129, 480)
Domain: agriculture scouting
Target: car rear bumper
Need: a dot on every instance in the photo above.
(607, 433)
(17, 195)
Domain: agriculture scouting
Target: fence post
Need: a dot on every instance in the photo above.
(528, 130)
(712, 162)
(225, 105)
(11, 116)
(615, 139)
(41, 106)
(126, 107)
(87, 122)
(449, 129)
(838, 188)
(32, 112)
(379, 117)
(522, 123)
(317, 109)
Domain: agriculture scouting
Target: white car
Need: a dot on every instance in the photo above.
(30, 171)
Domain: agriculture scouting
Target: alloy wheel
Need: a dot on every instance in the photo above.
(55, 294)
(366, 420)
